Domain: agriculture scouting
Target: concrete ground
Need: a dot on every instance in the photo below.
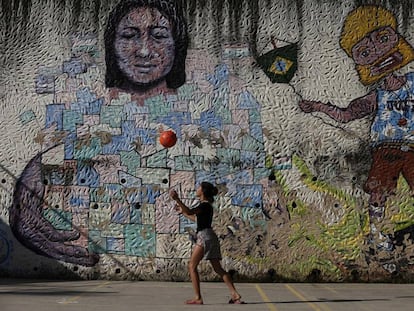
(41, 295)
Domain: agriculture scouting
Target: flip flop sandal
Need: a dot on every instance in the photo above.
(236, 301)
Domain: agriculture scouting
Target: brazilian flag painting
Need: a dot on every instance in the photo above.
(280, 64)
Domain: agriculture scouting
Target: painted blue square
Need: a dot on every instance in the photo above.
(79, 107)
(208, 176)
(150, 193)
(117, 144)
(97, 243)
(208, 120)
(256, 131)
(136, 215)
(261, 173)
(45, 84)
(88, 150)
(248, 196)
(71, 119)
(221, 75)
(131, 109)
(121, 215)
(247, 101)
(131, 132)
(57, 177)
(85, 96)
(140, 240)
(70, 146)
(54, 114)
(87, 175)
(95, 106)
(74, 67)
(243, 177)
(251, 159)
(115, 245)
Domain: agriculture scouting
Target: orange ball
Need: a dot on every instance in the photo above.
(168, 138)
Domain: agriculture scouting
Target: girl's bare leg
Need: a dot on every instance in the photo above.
(196, 256)
(226, 278)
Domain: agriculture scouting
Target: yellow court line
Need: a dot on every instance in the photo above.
(270, 305)
(73, 299)
(301, 297)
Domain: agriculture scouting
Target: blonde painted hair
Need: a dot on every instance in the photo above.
(362, 21)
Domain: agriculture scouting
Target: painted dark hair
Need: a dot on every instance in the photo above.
(114, 77)
(209, 191)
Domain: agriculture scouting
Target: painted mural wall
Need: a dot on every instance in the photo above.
(300, 112)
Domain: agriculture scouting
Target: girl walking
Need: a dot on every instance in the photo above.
(207, 245)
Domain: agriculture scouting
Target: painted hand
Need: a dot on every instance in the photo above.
(33, 230)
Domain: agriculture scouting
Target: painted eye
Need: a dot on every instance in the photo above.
(365, 53)
(384, 38)
(127, 35)
(159, 33)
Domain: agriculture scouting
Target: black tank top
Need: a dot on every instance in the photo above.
(204, 216)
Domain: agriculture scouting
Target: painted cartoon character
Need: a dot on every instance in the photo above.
(369, 36)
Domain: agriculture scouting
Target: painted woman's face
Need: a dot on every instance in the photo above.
(144, 46)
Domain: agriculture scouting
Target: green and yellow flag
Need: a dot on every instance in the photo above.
(280, 64)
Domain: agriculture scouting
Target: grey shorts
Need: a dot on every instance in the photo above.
(208, 239)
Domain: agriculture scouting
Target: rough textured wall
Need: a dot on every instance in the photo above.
(308, 141)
